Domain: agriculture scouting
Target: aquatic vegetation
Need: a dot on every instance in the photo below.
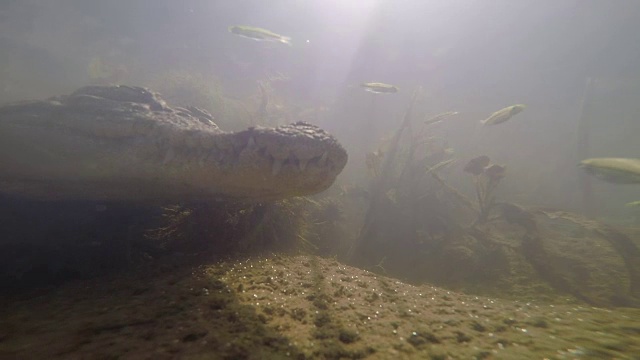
(259, 34)
(503, 115)
(291, 225)
(417, 226)
(408, 201)
(374, 162)
(328, 211)
(329, 220)
(476, 165)
(234, 227)
(486, 178)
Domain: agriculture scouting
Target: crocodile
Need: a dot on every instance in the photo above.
(124, 143)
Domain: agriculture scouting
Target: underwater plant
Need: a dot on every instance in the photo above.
(232, 226)
(410, 206)
(416, 225)
(486, 178)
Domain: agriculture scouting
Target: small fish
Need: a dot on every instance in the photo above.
(633, 204)
(259, 34)
(379, 88)
(613, 170)
(503, 115)
(438, 118)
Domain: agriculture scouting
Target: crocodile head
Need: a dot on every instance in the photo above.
(121, 143)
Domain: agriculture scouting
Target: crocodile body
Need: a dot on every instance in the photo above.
(123, 143)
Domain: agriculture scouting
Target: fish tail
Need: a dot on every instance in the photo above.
(285, 40)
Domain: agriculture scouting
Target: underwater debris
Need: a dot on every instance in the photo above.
(503, 115)
(379, 88)
(258, 34)
(613, 170)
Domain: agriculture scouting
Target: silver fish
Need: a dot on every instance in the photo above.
(379, 88)
(503, 115)
(259, 34)
(613, 170)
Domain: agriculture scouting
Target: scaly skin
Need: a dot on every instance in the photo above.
(120, 143)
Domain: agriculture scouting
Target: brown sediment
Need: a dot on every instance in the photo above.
(300, 307)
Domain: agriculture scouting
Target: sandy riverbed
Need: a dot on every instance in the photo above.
(298, 307)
